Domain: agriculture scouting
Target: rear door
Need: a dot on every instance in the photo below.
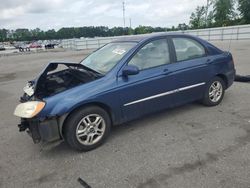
(191, 66)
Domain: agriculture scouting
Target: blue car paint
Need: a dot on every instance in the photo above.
(113, 91)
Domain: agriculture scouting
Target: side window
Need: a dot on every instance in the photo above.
(187, 49)
(153, 54)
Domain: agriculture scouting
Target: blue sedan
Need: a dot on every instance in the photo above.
(122, 81)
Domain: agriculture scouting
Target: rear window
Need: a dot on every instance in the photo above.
(187, 49)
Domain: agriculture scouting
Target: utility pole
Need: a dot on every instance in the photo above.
(206, 13)
(130, 23)
(123, 9)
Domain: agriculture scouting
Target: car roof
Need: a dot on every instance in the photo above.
(139, 38)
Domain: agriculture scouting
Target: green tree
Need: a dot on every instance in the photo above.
(159, 29)
(198, 18)
(22, 35)
(210, 19)
(244, 8)
(35, 33)
(182, 26)
(3, 35)
(116, 31)
(66, 33)
(144, 29)
(224, 12)
(50, 34)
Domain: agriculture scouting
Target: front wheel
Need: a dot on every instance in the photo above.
(86, 129)
(214, 92)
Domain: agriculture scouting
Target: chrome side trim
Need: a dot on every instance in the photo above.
(166, 93)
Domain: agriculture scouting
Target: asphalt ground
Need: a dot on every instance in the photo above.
(188, 146)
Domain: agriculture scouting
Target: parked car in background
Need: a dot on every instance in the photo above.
(122, 81)
(22, 46)
(50, 46)
(2, 47)
(35, 45)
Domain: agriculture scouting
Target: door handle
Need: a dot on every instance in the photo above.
(166, 72)
(209, 60)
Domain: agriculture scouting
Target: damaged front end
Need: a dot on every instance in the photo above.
(58, 77)
(45, 130)
(55, 78)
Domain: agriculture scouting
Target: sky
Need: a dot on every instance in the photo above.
(55, 14)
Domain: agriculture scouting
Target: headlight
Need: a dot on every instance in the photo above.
(29, 109)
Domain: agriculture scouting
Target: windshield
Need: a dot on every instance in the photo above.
(104, 59)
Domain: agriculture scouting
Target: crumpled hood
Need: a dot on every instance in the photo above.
(32, 88)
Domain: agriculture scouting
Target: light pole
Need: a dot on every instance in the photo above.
(206, 13)
(123, 9)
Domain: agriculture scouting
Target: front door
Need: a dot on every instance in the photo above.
(150, 90)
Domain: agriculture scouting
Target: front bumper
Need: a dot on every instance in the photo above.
(46, 131)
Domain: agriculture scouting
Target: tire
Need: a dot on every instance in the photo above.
(82, 133)
(214, 92)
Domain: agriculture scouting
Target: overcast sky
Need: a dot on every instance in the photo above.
(54, 14)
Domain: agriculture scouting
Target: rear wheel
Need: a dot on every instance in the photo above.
(87, 128)
(214, 92)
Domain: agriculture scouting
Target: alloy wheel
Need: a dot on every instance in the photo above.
(215, 91)
(90, 129)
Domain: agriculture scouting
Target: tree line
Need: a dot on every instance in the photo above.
(216, 13)
(75, 32)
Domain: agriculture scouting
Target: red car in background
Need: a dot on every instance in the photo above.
(35, 45)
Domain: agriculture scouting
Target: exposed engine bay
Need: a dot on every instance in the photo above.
(55, 79)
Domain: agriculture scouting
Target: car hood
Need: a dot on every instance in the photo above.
(52, 81)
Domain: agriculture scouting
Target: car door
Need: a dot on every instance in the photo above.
(149, 90)
(191, 68)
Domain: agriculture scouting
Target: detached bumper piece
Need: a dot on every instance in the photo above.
(46, 131)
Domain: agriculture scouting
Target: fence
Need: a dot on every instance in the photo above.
(212, 34)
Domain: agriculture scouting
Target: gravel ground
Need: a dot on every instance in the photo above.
(189, 146)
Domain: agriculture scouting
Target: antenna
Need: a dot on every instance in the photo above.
(123, 9)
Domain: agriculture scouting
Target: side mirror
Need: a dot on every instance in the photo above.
(52, 67)
(130, 70)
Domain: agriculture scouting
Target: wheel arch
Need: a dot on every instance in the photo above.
(63, 119)
(224, 78)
